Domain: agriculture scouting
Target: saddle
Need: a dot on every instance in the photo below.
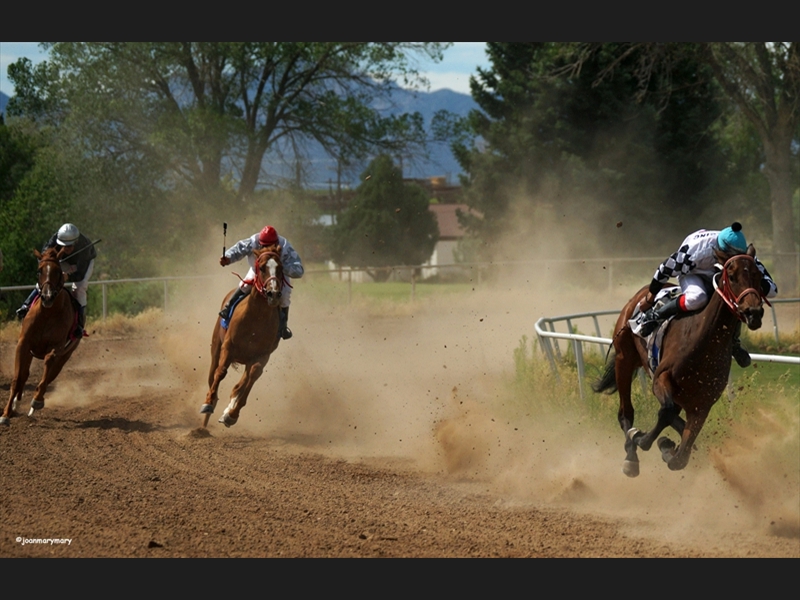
(224, 323)
(655, 339)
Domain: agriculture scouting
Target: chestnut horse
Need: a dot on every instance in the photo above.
(47, 333)
(695, 361)
(251, 336)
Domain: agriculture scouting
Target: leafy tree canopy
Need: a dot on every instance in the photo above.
(388, 223)
(210, 112)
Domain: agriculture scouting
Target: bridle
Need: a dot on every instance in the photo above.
(262, 287)
(726, 293)
(54, 288)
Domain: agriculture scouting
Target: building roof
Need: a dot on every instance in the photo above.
(449, 227)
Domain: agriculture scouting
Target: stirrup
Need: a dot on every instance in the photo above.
(648, 327)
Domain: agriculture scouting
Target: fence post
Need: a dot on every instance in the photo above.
(413, 284)
(105, 302)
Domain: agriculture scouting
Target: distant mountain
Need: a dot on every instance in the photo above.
(321, 170)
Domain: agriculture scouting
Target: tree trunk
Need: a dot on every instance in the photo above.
(778, 171)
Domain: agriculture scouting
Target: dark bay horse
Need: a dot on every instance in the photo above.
(251, 336)
(695, 361)
(47, 333)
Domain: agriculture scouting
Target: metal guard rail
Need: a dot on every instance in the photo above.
(545, 330)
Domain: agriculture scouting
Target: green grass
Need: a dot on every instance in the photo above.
(323, 288)
(763, 388)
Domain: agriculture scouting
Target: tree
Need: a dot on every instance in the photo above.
(763, 80)
(552, 144)
(388, 223)
(211, 111)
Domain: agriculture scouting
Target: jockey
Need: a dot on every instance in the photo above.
(694, 266)
(77, 265)
(292, 268)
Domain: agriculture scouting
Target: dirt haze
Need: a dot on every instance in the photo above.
(372, 433)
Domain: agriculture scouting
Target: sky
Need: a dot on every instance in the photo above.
(460, 61)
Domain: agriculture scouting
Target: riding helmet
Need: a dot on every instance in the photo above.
(731, 239)
(268, 236)
(67, 235)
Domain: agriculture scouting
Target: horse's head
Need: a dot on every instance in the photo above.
(740, 288)
(269, 274)
(50, 276)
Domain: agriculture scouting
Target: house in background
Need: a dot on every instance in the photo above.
(450, 234)
(448, 201)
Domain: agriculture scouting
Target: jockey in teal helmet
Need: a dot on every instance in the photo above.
(694, 265)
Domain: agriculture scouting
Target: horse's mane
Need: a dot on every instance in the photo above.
(50, 254)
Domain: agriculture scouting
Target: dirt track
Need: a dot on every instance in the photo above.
(385, 444)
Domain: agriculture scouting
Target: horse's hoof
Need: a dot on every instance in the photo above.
(37, 405)
(667, 447)
(5, 421)
(665, 444)
(227, 420)
(206, 409)
(630, 468)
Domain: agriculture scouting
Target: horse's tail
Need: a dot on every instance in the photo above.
(608, 382)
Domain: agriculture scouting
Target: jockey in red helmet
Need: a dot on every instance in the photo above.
(292, 269)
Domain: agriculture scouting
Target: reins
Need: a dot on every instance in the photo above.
(726, 293)
(261, 286)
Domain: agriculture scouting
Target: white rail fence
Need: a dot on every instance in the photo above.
(605, 271)
(548, 340)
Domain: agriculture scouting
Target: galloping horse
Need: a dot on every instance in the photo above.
(251, 336)
(47, 333)
(695, 361)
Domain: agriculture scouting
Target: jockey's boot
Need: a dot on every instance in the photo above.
(26, 306)
(78, 333)
(284, 332)
(740, 355)
(655, 316)
(224, 313)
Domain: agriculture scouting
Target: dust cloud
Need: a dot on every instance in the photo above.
(425, 387)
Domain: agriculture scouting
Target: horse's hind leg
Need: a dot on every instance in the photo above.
(240, 393)
(624, 379)
(216, 374)
(21, 372)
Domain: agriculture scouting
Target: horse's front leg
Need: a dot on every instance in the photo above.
(240, 393)
(677, 459)
(668, 414)
(53, 364)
